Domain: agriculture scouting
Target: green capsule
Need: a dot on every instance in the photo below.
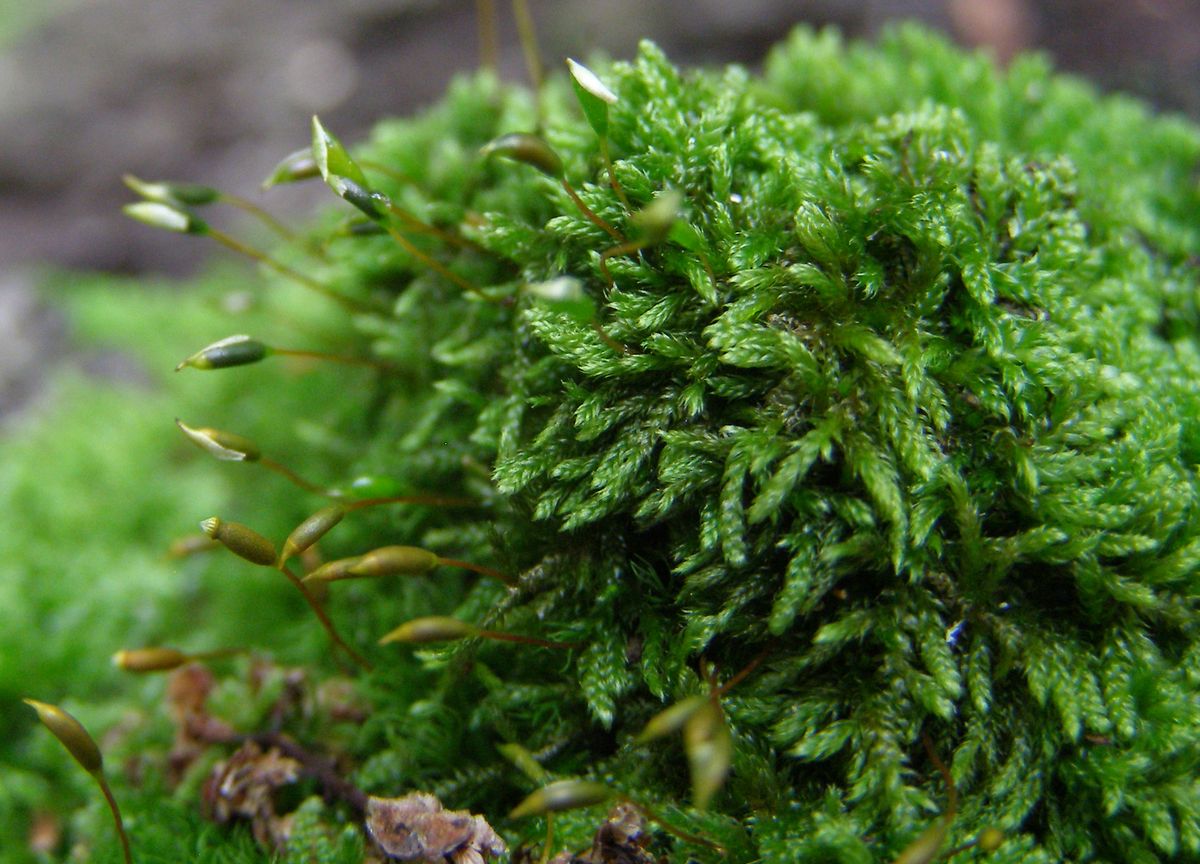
(657, 218)
(293, 168)
(395, 561)
(524, 761)
(374, 205)
(238, 350)
(149, 659)
(709, 748)
(562, 795)
(529, 149)
(225, 446)
(241, 541)
(173, 194)
(594, 98)
(334, 162)
(71, 734)
(435, 628)
(311, 530)
(165, 216)
(331, 571)
(671, 719)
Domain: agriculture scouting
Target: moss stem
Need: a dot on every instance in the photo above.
(116, 815)
(362, 662)
(232, 243)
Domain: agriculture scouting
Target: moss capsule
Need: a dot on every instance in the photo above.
(311, 530)
(435, 628)
(169, 218)
(241, 541)
(293, 168)
(238, 350)
(671, 719)
(331, 571)
(71, 734)
(149, 659)
(225, 446)
(529, 149)
(82, 747)
(171, 193)
(709, 748)
(562, 795)
(395, 561)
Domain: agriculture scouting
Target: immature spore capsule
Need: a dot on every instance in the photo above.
(241, 541)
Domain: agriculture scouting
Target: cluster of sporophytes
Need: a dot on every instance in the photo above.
(770, 427)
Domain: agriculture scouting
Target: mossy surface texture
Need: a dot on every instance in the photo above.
(906, 417)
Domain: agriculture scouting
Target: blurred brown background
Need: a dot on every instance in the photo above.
(217, 90)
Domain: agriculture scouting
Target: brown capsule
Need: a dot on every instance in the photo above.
(435, 628)
(241, 541)
(149, 659)
(562, 795)
(71, 734)
(225, 446)
(395, 561)
(311, 530)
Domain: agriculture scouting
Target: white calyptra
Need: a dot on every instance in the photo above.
(588, 81)
(159, 215)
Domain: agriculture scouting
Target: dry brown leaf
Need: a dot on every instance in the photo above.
(243, 787)
(417, 828)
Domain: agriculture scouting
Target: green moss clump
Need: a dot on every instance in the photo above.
(905, 414)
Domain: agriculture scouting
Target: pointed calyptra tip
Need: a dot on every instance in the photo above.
(588, 80)
(70, 733)
(530, 149)
(173, 194)
(562, 795)
(293, 168)
(222, 445)
(159, 215)
(239, 350)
